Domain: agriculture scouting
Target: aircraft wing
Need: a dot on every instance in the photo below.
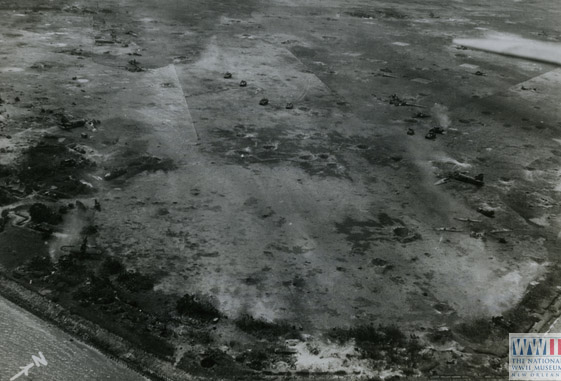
(534, 50)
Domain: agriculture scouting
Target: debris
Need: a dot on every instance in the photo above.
(114, 174)
(477, 180)
(410, 131)
(421, 115)
(228, 75)
(90, 124)
(487, 212)
(500, 231)
(76, 52)
(89, 185)
(134, 66)
(475, 234)
(289, 106)
(243, 84)
(404, 235)
(264, 102)
(451, 229)
(385, 70)
(387, 75)
(431, 135)
(379, 13)
(437, 130)
(501, 322)
(76, 124)
(466, 219)
(67, 124)
(396, 101)
(422, 81)
(84, 135)
(480, 73)
(139, 165)
(44, 228)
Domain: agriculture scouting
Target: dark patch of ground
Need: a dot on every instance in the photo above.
(53, 169)
(267, 330)
(387, 346)
(139, 165)
(197, 306)
(82, 284)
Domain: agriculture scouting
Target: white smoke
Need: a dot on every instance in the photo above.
(440, 113)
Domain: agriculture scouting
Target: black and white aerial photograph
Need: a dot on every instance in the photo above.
(280, 190)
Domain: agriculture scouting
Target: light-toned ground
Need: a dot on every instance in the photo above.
(24, 336)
